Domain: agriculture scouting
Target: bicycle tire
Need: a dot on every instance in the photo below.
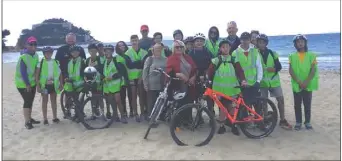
(81, 116)
(243, 127)
(155, 111)
(174, 122)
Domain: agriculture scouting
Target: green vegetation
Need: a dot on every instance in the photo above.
(52, 32)
(4, 34)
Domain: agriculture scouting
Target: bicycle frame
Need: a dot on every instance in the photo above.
(239, 101)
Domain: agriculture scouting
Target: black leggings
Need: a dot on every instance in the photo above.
(28, 97)
(305, 97)
(123, 91)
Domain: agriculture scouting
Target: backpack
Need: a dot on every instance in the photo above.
(220, 61)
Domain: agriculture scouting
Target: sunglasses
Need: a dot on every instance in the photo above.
(32, 44)
(179, 47)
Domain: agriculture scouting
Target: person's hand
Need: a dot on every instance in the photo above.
(244, 83)
(270, 69)
(192, 80)
(61, 87)
(28, 88)
(304, 85)
(182, 77)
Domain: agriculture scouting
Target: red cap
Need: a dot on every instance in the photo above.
(31, 39)
(144, 28)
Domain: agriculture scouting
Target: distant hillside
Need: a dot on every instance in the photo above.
(52, 32)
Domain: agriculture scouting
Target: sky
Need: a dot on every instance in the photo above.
(111, 21)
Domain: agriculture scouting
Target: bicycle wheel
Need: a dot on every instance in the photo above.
(69, 109)
(157, 109)
(267, 109)
(201, 118)
(93, 113)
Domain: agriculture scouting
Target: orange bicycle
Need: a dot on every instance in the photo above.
(261, 115)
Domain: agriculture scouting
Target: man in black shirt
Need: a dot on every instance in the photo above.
(145, 42)
(232, 37)
(63, 53)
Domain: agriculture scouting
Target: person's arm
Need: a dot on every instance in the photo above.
(259, 69)
(292, 74)
(120, 67)
(83, 66)
(37, 75)
(23, 71)
(82, 54)
(210, 71)
(312, 71)
(239, 71)
(59, 54)
(146, 71)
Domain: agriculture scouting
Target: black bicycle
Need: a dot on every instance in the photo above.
(95, 116)
(164, 103)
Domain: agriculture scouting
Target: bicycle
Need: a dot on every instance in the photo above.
(96, 100)
(243, 115)
(163, 102)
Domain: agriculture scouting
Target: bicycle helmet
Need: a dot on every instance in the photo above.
(110, 47)
(90, 73)
(189, 39)
(262, 37)
(47, 49)
(75, 48)
(299, 36)
(199, 36)
(177, 32)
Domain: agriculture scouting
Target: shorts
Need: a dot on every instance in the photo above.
(134, 82)
(274, 92)
(50, 88)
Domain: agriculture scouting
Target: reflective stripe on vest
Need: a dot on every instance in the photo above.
(44, 75)
(74, 70)
(225, 78)
(135, 73)
(31, 64)
(248, 64)
(302, 71)
(111, 86)
(267, 81)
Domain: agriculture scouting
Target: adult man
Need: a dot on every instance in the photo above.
(232, 37)
(145, 42)
(63, 53)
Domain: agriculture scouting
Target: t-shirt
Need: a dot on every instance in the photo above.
(302, 56)
(145, 43)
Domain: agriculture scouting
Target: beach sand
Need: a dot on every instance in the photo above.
(68, 140)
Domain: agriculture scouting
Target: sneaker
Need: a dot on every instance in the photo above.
(108, 115)
(33, 121)
(221, 130)
(235, 130)
(117, 119)
(28, 125)
(285, 125)
(308, 126)
(131, 114)
(56, 120)
(137, 118)
(298, 126)
(46, 122)
(124, 119)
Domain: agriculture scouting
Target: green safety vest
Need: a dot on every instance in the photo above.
(135, 73)
(114, 85)
(44, 74)
(212, 47)
(302, 71)
(102, 59)
(225, 78)
(248, 63)
(267, 81)
(74, 70)
(31, 64)
(162, 53)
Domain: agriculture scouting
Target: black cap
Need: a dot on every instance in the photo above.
(100, 45)
(92, 46)
(245, 35)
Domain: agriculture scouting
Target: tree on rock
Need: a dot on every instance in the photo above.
(4, 34)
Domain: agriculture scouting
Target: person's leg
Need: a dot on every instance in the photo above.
(53, 99)
(120, 107)
(31, 97)
(297, 97)
(142, 100)
(129, 94)
(123, 99)
(307, 99)
(26, 108)
(134, 90)
(277, 92)
(45, 100)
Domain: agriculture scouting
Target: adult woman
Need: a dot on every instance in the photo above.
(153, 83)
(25, 79)
(181, 65)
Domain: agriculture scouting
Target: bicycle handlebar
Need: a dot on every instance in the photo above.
(243, 86)
(160, 70)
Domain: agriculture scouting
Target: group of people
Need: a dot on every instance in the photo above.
(232, 61)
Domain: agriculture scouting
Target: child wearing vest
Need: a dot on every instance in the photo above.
(304, 79)
(271, 79)
(226, 73)
(75, 71)
(48, 80)
(112, 83)
(136, 54)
